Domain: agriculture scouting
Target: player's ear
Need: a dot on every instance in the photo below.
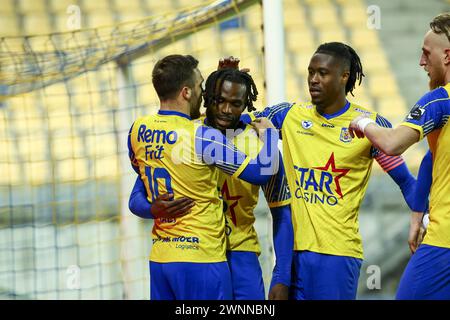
(186, 93)
(447, 56)
(345, 76)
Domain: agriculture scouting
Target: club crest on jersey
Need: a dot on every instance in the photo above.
(345, 135)
(307, 124)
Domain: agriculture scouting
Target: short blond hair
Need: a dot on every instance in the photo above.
(441, 24)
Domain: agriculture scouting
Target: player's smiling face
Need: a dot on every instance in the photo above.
(226, 112)
(435, 58)
(326, 80)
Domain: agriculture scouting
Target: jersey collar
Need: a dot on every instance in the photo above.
(336, 114)
(173, 113)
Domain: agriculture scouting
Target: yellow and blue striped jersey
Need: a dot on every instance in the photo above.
(430, 117)
(164, 148)
(240, 197)
(327, 173)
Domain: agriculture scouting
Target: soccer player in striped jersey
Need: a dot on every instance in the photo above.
(228, 93)
(427, 275)
(328, 173)
(175, 155)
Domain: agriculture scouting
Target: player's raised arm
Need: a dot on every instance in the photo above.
(428, 114)
(276, 114)
(214, 148)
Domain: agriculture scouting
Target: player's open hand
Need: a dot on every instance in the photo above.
(279, 292)
(166, 207)
(261, 124)
(232, 63)
(415, 235)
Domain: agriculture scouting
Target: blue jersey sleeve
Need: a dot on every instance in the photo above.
(276, 191)
(283, 242)
(131, 155)
(213, 148)
(430, 112)
(396, 167)
(423, 184)
(276, 114)
(138, 203)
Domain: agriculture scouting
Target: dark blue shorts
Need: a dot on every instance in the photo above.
(190, 281)
(246, 275)
(317, 276)
(427, 275)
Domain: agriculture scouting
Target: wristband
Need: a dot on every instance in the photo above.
(362, 123)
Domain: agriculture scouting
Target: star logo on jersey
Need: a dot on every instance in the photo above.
(307, 124)
(341, 173)
(227, 197)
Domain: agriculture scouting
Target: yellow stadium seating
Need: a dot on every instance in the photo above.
(97, 6)
(363, 38)
(128, 5)
(61, 6)
(393, 108)
(70, 170)
(36, 24)
(382, 85)
(31, 6)
(10, 25)
(8, 7)
(324, 16)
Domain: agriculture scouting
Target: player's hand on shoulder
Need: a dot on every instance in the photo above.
(166, 207)
(355, 128)
(279, 292)
(261, 124)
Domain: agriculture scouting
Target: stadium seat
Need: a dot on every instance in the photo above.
(393, 108)
(8, 7)
(374, 61)
(364, 39)
(106, 167)
(324, 16)
(97, 6)
(11, 174)
(127, 6)
(61, 6)
(10, 25)
(38, 172)
(161, 7)
(294, 16)
(36, 24)
(253, 19)
(354, 16)
(298, 42)
(102, 19)
(70, 170)
(332, 34)
(31, 6)
(383, 85)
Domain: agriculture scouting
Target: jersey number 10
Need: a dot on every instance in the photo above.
(153, 174)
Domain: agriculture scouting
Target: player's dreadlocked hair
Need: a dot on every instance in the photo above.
(346, 53)
(216, 79)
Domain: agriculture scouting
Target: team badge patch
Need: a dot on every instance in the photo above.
(307, 124)
(345, 135)
(416, 113)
